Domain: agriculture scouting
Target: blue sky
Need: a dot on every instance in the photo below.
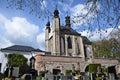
(21, 28)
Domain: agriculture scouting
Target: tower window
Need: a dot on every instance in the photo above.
(77, 47)
(69, 43)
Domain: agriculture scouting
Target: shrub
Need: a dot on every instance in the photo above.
(68, 72)
(76, 71)
(93, 67)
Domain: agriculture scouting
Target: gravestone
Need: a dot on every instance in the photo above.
(111, 76)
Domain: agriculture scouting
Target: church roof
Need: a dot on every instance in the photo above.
(32, 58)
(70, 31)
(86, 40)
(21, 48)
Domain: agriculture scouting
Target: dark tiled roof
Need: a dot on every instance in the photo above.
(21, 48)
(69, 31)
(32, 58)
(85, 40)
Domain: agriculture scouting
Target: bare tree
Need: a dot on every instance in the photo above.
(101, 14)
(102, 10)
(34, 7)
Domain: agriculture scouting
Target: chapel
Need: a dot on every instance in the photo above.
(65, 48)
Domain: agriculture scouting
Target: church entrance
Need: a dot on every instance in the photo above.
(87, 69)
(56, 73)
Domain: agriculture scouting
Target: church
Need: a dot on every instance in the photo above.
(64, 41)
(65, 49)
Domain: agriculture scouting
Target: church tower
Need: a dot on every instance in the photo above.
(52, 35)
(63, 40)
(67, 20)
(47, 31)
(56, 33)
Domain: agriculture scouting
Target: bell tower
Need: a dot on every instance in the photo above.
(56, 33)
(47, 32)
(67, 20)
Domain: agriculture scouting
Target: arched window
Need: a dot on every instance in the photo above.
(62, 45)
(77, 47)
(69, 43)
(88, 52)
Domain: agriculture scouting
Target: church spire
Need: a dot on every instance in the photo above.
(67, 20)
(56, 12)
(48, 23)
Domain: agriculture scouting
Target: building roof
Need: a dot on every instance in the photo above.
(69, 31)
(86, 40)
(21, 48)
(32, 58)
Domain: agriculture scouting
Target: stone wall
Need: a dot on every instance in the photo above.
(64, 63)
(57, 62)
(106, 61)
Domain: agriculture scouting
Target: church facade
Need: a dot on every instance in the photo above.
(68, 49)
(64, 41)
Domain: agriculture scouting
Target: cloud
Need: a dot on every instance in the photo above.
(97, 35)
(78, 9)
(4, 42)
(81, 14)
(18, 31)
(75, 12)
(41, 40)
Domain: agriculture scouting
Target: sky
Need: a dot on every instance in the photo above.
(21, 28)
(18, 27)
